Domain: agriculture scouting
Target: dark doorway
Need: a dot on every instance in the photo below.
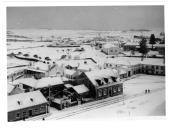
(110, 92)
(30, 113)
(129, 73)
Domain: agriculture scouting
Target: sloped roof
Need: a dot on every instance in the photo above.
(43, 82)
(41, 66)
(109, 45)
(68, 85)
(80, 88)
(25, 100)
(84, 67)
(98, 74)
(49, 81)
(10, 88)
(69, 72)
(27, 81)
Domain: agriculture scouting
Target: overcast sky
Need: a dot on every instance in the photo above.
(93, 17)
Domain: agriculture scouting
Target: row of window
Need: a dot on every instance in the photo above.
(104, 92)
(31, 112)
(154, 67)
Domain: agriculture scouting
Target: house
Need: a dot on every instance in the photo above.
(39, 70)
(110, 49)
(131, 46)
(123, 73)
(153, 69)
(45, 85)
(26, 105)
(71, 74)
(101, 83)
(12, 90)
(61, 103)
(80, 91)
(85, 68)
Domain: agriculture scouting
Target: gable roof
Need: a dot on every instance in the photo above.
(109, 45)
(46, 81)
(27, 81)
(24, 100)
(99, 74)
(41, 83)
(10, 88)
(80, 88)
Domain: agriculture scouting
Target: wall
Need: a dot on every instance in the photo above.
(41, 109)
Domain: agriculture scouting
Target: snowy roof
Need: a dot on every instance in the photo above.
(132, 43)
(84, 67)
(43, 82)
(68, 85)
(41, 66)
(108, 45)
(129, 61)
(35, 70)
(122, 71)
(69, 72)
(24, 100)
(98, 74)
(14, 70)
(80, 89)
(27, 81)
(73, 63)
(10, 87)
(46, 81)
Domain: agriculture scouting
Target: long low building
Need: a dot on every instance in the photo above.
(134, 65)
(26, 105)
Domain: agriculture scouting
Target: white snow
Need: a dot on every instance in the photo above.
(152, 104)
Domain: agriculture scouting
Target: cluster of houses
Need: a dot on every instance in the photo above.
(66, 85)
(34, 88)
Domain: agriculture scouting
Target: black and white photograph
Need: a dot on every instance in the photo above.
(85, 62)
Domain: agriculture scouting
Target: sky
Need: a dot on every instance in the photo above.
(86, 17)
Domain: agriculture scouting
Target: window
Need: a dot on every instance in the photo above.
(99, 93)
(119, 89)
(35, 110)
(42, 108)
(162, 68)
(99, 82)
(106, 80)
(18, 115)
(24, 114)
(114, 90)
(105, 92)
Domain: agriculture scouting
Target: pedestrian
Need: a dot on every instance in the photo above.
(148, 90)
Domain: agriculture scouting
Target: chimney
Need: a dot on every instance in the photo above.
(31, 99)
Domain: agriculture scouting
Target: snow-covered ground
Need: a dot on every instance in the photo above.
(148, 104)
(152, 104)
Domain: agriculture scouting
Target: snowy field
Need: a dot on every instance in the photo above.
(152, 104)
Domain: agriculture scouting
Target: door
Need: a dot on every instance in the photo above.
(110, 91)
(129, 73)
(30, 113)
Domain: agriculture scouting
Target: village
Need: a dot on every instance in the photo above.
(54, 74)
